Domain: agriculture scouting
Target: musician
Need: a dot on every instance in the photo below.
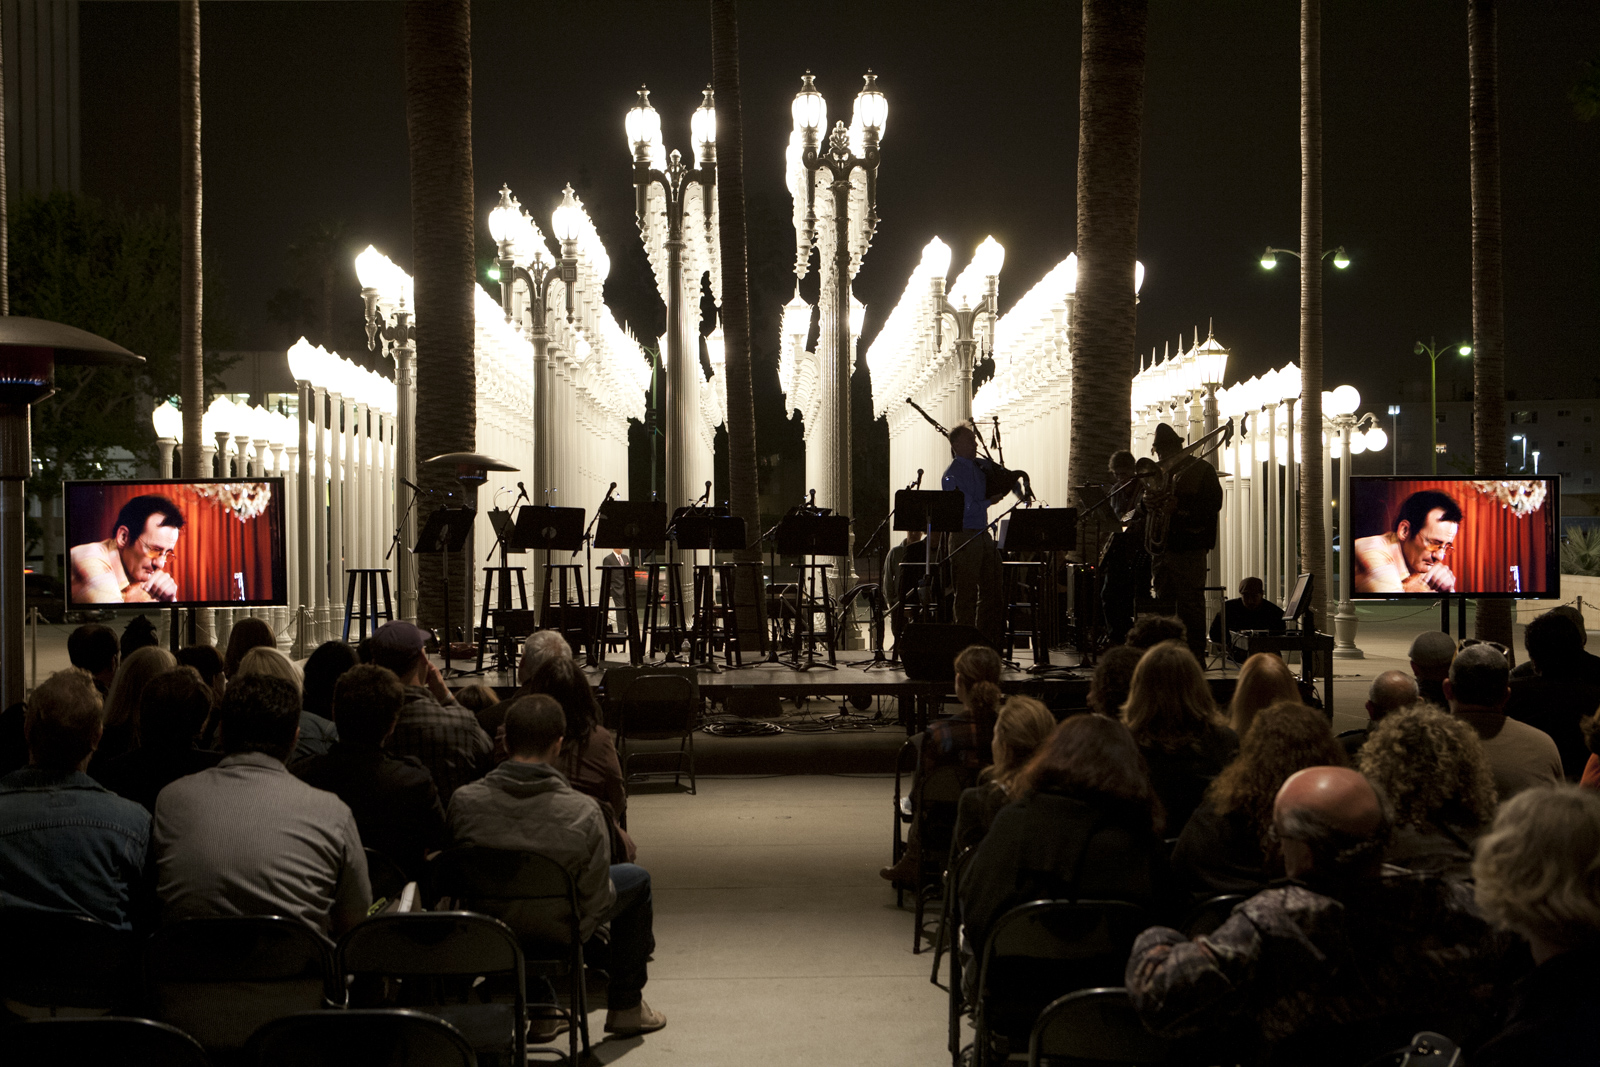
(614, 597)
(900, 588)
(1124, 565)
(974, 560)
(1250, 610)
(1186, 506)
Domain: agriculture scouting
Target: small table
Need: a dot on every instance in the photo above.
(1250, 642)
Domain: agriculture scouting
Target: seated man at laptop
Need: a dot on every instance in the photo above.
(1250, 610)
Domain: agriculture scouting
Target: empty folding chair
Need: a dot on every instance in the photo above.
(360, 1038)
(1095, 1027)
(108, 1039)
(51, 961)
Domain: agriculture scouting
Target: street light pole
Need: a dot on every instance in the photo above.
(990, 257)
(386, 299)
(1433, 352)
(1394, 432)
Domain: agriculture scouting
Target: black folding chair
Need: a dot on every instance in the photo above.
(420, 946)
(385, 875)
(50, 961)
(1212, 913)
(537, 898)
(360, 1038)
(107, 1039)
(1094, 1028)
(219, 979)
(934, 803)
(660, 707)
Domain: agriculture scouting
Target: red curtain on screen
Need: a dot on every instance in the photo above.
(214, 546)
(1493, 538)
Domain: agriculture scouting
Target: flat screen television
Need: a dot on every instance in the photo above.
(1479, 537)
(205, 543)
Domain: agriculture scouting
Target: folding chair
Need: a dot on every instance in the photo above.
(537, 898)
(933, 820)
(107, 1039)
(660, 707)
(1095, 1027)
(219, 979)
(1212, 913)
(50, 962)
(385, 875)
(360, 1038)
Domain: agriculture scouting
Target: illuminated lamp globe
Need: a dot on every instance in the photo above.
(643, 122)
(1340, 260)
(810, 111)
(703, 124)
(1289, 382)
(935, 260)
(872, 110)
(858, 317)
(989, 258)
(1269, 259)
(1344, 400)
(1377, 439)
(372, 269)
(501, 216)
(566, 221)
(1464, 350)
(168, 422)
(1358, 442)
(302, 361)
(1138, 277)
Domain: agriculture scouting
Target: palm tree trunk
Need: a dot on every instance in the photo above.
(744, 500)
(1313, 535)
(438, 51)
(191, 357)
(1105, 313)
(1488, 291)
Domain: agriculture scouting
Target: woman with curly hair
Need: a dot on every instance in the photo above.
(1431, 765)
(1177, 727)
(1022, 726)
(1264, 680)
(1228, 845)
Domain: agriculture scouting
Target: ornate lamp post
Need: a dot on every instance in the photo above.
(168, 423)
(989, 258)
(1341, 405)
(391, 328)
(1433, 351)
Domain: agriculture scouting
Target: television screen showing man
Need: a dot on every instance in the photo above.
(1410, 557)
(130, 566)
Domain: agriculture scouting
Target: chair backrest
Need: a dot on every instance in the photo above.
(1095, 1026)
(221, 978)
(385, 875)
(54, 960)
(429, 943)
(383, 1037)
(107, 1039)
(532, 894)
(659, 706)
(1212, 913)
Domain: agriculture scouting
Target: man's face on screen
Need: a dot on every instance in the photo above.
(150, 552)
(1428, 546)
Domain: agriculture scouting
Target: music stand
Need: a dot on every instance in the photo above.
(932, 511)
(637, 526)
(708, 530)
(805, 533)
(541, 528)
(1044, 531)
(446, 531)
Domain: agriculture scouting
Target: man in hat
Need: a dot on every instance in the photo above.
(443, 736)
(1189, 514)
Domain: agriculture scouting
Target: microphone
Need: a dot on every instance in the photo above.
(522, 489)
(613, 489)
(414, 487)
(919, 477)
(811, 502)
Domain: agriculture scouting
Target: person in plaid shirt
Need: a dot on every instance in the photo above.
(443, 736)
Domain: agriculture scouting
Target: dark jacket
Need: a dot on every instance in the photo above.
(393, 799)
(143, 773)
(975, 813)
(1197, 497)
(1550, 1018)
(1556, 704)
(1181, 778)
(1219, 854)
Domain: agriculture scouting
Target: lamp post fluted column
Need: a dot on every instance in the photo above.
(391, 327)
(967, 320)
(1344, 619)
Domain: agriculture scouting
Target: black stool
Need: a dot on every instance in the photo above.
(504, 604)
(1021, 580)
(570, 602)
(676, 626)
(714, 582)
(808, 604)
(366, 582)
(630, 606)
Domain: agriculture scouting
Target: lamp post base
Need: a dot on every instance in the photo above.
(1344, 632)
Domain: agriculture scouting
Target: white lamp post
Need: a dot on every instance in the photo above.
(168, 423)
(990, 258)
(387, 299)
(1342, 403)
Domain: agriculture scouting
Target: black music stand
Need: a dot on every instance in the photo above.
(1045, 531)
(932, 511)
(637, 526)
(541, 528)
(700, 530)
(805, 533)
(446, 531)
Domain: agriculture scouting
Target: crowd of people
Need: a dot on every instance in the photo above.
(138, 787)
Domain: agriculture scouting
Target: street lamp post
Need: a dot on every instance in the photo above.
(990, 256)
(1341, 406)
(168, 423)
(386, 297)
(1433, 352)
(1394, 432)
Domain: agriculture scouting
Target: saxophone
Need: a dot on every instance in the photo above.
(1160, 500)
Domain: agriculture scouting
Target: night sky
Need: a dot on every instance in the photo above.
(304, 118)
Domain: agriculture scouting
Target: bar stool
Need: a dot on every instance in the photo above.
(676, 626)
(568, 578)
(1021, 581)
(630, 606)
(366, 582)
(808, 603)
(715, 599)
(503, 604)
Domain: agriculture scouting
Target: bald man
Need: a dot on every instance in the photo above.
(1389, 692)
(1317, 963)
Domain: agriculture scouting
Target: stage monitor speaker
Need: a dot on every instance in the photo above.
(929, 650)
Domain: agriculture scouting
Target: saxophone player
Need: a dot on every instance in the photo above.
(1190, 501)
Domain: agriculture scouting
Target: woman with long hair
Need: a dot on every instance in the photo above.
(317, 734)
(1019, 730)
(322, 671)
(1264, 680)
(249, 632)
(1176, 725)
(1227, 845)
(136, 671)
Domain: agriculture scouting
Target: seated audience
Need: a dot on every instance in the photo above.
(395, 805)
(540, 647)
(122, 702)
(247, 633)
(172, 712)
(1340, 964)
(1150, 630)
(442, 735)
(317, 734)
(477, 698)
(1538, 875)
(247, 837)
(1556, 696)
(139, 633)
(526, 803)
(962, 741)
(1588, 662)
(1264, 680)
(1227, 845)
(1250, 610)
(1431, 766)
(1175, 723)
(1519, 755)
(208, 661)
(321, 671)
(1389, 692)
(1113, 676)
(1085, 825)
(1431, 655)
(93, 648)
(68, 844)
(1019, 730)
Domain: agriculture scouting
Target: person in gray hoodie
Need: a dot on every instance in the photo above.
(526, 804)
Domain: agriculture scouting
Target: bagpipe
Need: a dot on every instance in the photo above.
(998, 480)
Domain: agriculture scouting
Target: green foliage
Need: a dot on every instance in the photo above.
(1580, 551)
(113, 272)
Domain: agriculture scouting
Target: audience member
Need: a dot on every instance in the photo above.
(322, 670)
(1519, 755)
(540, 647)
(1175, 723)
(247, 633)
(1389, 692)
(392, 798)
(208, 661)
(172, 712)
(1150, 630)
(442, 735)
(1250, 610)
(1589, 663)
(526, 803)
(1538, 875)
(1431, 655)
(68, 844)
(1228, 845)
(1086, 825)
(1431, 766)
(248, 838)
(1113, 676)
(93, 648)
(1264, 680)
(1019, 730)
(963, 741)
(139, 633)
(477, 698)
(1557, 695)
(317, 734)
(122, 702)
(1315, 969)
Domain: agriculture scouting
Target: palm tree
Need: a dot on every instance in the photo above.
(1105, 315)
(438, 58)
(191, 354)
(1488, 294)
(744, 501)
(1313, 535)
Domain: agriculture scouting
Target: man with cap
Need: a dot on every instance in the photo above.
(1431, 654)
(443, 736)
(1519, 755)
(1191, 501)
